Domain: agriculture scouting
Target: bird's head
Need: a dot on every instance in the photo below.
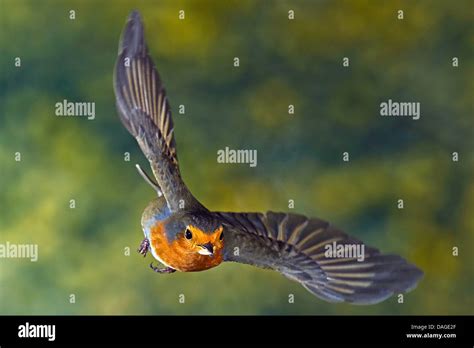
(203, 242)
(196, 233)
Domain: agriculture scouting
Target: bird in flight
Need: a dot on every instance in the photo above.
(183, 235)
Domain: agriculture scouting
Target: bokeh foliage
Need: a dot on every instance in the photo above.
(299, 156)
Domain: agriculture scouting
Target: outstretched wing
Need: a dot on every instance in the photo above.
(144, 110)
(325, 260)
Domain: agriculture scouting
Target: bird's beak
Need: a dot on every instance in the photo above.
(206, 249)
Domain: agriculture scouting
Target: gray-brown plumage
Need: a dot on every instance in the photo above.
(295, 246)
(144, 110)
(191, 238)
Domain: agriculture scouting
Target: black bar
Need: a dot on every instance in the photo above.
(289, 330)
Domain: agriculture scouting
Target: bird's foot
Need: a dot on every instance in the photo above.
(144, 246)
(162, 270)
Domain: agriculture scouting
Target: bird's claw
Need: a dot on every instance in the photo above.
(143, 249)
(144, 246)
(162, 270)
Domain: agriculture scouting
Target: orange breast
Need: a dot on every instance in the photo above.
(177, 254)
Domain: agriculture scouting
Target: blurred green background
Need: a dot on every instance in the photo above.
(282, 62)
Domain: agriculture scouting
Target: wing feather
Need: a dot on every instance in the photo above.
(296, 246)
(144, 110)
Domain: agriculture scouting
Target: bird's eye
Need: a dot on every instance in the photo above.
(221, 237)
(188, 234)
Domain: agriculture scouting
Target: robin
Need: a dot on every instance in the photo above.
(185, 236)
